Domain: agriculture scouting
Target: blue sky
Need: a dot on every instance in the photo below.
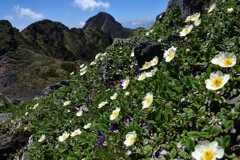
(74, 13)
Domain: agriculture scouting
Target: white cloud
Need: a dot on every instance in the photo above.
(82, 23)
(7, 17)
(90, 5)
(27, 13)
(136, 23)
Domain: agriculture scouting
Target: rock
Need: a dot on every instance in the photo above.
(101, 72)
(189, 7)
(235, 100)
(15, 101)
(4, 117)
(10, 143)
(146, 51)
(50, 89)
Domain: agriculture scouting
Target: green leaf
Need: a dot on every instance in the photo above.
(189, 143)
(227, 124)
(226, 141)
(202, 110)
(183, 154)
(193, 134)
(147, 150)
(173, 153)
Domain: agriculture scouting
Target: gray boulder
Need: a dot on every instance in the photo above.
(146, 51)
(4, 117)
(189, 7)
(50, 89)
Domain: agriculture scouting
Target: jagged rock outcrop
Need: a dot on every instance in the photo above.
(106, 23)
(7, 41)
(188, 7)
(146, 51)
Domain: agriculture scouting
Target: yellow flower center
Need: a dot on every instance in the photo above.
(65, 136)
(143, 76)
(208, 155)
(115, 113)
(132, 139)
(186, 31)
(171, 54)
(148, 100)
(228, 61)
(155, 62)
(217, 82)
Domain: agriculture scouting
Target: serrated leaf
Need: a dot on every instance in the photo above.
(226, 141)
(183, 154)
(173, 153)
(147, 150)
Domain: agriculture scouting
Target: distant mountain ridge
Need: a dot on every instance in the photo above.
(58, 41)
(36, 57)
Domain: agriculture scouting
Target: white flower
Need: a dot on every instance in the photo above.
(227, 60)
(217, 80)
(169, 54)
(146, 66)
(154, 61)
(217, 58)
(132, 54)
(197, 22)
(147, 33)
(148, 99)
(66, 103)
(79, 113)
(152, 72)
(195, 17)
(87, 126)
(142, 76)
(63, 137)
(43, 137)
(98, 55)
(72, 73)
(76, 132)
(230, 10)
(208, 151)
(83, 69)
(114, 96)
(35, 106)
(102, 104)
(126, 94)
(93, 63)
(213, 6)
(126, 83)
(82, 65)
(188, 19)
(115, 114)
(26, 114)
(186, 30)
(82, 73)
(130, 138)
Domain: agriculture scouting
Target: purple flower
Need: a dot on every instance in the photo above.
(114, 127)
(99, 133)
(137, 72)
(101, 141)
(127, 120)
(121, 81)
(89, 98)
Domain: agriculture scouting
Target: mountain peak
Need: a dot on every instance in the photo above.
(105, 22)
